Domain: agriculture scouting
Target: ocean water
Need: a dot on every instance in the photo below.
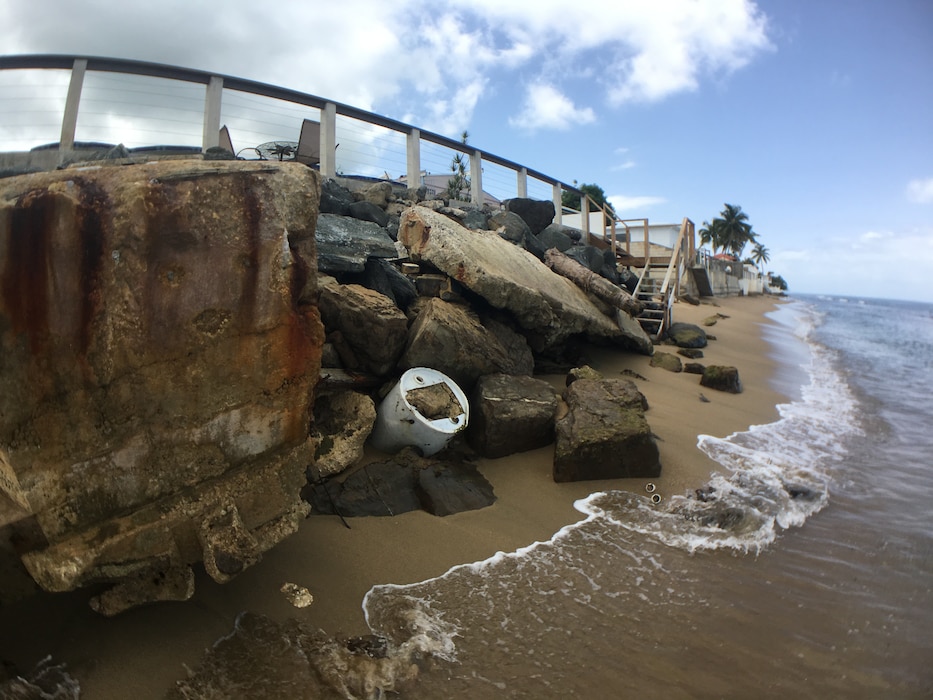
(805, 571)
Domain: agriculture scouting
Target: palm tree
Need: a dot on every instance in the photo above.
(732, 230)
(708, 235)
(760, 254)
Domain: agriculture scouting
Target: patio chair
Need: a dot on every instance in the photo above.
(309, 143)
(224, 140)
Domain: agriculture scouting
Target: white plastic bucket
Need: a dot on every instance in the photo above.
(399, 424)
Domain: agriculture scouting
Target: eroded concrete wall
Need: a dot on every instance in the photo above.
(157, 361)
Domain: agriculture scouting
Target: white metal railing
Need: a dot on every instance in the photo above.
(250, 110)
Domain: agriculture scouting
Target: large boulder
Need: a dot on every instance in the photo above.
(384, 277)
(378, 194)
(687, 335)
(342, 422)
(367, 211)
(513, 228)
(158, 361)
(403, 483)
(511, 414)
(556, 236)
(510, 226)
(537, 214)
(372, 328)
(335, 198)
(604, 434)
(450, 338)
(666, 360)
(344, 244)
(602, 262)
(521, 359)
(549, 308)
(722, 378)
(445, 489)
(475, 219)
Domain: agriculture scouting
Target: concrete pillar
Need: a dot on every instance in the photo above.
(413, 159)
(476, 178)
(70, 119)
(522, 182)
(329, 140)
(558, 205)
(212, 98)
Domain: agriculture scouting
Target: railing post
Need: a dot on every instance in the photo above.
(66, 142)
(585, 212)
(476, 178)
(329, 140)
(522, 183)
(212, 97)
(413, 150)
(558, 205)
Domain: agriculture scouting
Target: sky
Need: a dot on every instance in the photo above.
(814, 116)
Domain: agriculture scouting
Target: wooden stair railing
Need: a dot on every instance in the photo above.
(659, 299)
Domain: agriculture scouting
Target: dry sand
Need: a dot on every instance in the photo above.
(141, 652)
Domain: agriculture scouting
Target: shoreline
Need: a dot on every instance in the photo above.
(530, 506)
(144, 651)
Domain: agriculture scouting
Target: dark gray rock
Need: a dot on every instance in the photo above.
(687, 335)
(604, 434)
(367, 211)
(445, 489)
(722, 378)
(475, 219)
(537, 214)
(335, 198)
(385, 278)
(345, 244)
(691, 353)
(509, 226)
(511, 414)
(404, 483)
(628, 279)
(555, 236)
(592, 258)
(380, 488)
(694, 368)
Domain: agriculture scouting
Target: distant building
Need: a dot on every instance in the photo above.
(436, 185)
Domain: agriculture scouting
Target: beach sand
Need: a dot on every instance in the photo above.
(530, 507)
(141, 653)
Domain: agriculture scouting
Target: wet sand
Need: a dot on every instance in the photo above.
(142, 652)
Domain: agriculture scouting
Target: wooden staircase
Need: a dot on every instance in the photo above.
(659, 283)
(651, 294)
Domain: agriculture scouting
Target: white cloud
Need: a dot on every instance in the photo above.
(920, 191)
(408, 57)
(546, 107)
(624, 165)
(637, 204)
